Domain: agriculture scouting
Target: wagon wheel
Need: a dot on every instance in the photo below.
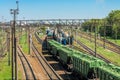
(91, 74)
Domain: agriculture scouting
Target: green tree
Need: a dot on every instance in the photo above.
(113, 19)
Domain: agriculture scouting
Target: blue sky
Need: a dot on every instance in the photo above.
(59, 9)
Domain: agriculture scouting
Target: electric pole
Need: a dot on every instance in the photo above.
(95, 38)
(15, 12)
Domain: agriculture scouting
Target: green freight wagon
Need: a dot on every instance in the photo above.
(85, 64)
(109, 72)
(55, 47)
(65, 55)
(49, 45)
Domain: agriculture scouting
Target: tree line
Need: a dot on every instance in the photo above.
(109, 26)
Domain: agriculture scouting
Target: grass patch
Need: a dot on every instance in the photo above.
(5, 70)
(23, 43)
(115, 41)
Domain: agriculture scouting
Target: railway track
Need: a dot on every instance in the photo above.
(40, 41)
(48, 69)
(65, 75)
(90, 51)
(101, 42)
(29, 74)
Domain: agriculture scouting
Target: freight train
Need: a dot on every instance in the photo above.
(60, 36)
(85, 65)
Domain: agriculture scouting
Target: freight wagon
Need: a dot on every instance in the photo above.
(109, 72)
(86, 65)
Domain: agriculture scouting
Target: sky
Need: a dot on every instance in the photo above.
(58, 9)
